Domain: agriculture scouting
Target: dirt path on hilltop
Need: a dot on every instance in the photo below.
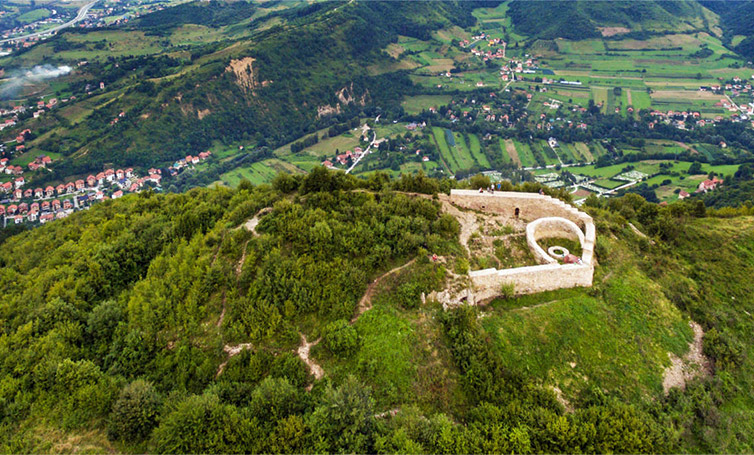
(366, 301)
(303, 353)
(693, 364)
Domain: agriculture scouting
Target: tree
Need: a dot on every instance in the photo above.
(201, 424)
(480, 181)
(695, 168)
(341, 338)
(135, 413)
(344, 420)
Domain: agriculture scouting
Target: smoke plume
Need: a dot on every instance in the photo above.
(19, 78)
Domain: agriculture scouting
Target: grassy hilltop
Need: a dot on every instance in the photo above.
(155, 323)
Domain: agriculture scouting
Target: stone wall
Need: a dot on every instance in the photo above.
(488, 283)
(531, 205)
(547, 217)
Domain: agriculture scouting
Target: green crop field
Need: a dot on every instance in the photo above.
(416, 104)
(476, 151)
(525, 154)
(462, 152)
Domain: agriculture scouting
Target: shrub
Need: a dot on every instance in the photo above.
(507, 290)
(135, 413)
(341, 338)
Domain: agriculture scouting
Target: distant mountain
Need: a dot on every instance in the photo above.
(304, 72)
(578, 19)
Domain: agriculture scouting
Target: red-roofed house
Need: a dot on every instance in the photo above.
(683, 194)
(2, 210)
(67, 204)
(70, 187)
(28, 193)
(49, 191)
(709, 185)
(19, 182)
(117, 194)
(80, 185)
(55, 205)
(109, 175)
(60, 189)
(12, 209)
(18, 194)
(91, 180)
(119, 174)
(45, 217)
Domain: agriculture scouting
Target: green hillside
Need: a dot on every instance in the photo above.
(582, 19)
(264, 82)
(160, 324)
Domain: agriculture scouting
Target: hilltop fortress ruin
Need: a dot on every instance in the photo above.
(545, 217)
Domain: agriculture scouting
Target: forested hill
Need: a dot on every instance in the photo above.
(581, 19)
(736, 17)
(305, 69)
(161, 324)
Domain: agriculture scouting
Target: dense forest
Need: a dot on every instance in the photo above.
(159, 323)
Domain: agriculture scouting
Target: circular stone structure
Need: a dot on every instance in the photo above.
(558, 252)
(551, 227)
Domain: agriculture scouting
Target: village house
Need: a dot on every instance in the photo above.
(55, 205)
(18, 194)
(91, 180)
(49, 191)
(709, 185)
(80, 185)
(39, 193)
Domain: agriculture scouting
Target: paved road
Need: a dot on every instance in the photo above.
(83, 11)
(366, 152)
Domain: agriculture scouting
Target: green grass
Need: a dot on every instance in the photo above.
(439, 136)
(525, 154)
(416, 104)
(618, 338)
(257, 174)
(34, 15)
(28, 157)
(476, 150)
(461, 151)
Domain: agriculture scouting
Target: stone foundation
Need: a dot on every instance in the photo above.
(548, 217)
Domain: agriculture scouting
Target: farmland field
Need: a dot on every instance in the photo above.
(416, 104)
(525, 155)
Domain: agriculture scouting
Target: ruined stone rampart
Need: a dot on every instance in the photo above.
(548, 217)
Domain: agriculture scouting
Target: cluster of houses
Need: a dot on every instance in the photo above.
(53, 19)
(681, 119)
(185, 162)
(344, 159)
(45, 204)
